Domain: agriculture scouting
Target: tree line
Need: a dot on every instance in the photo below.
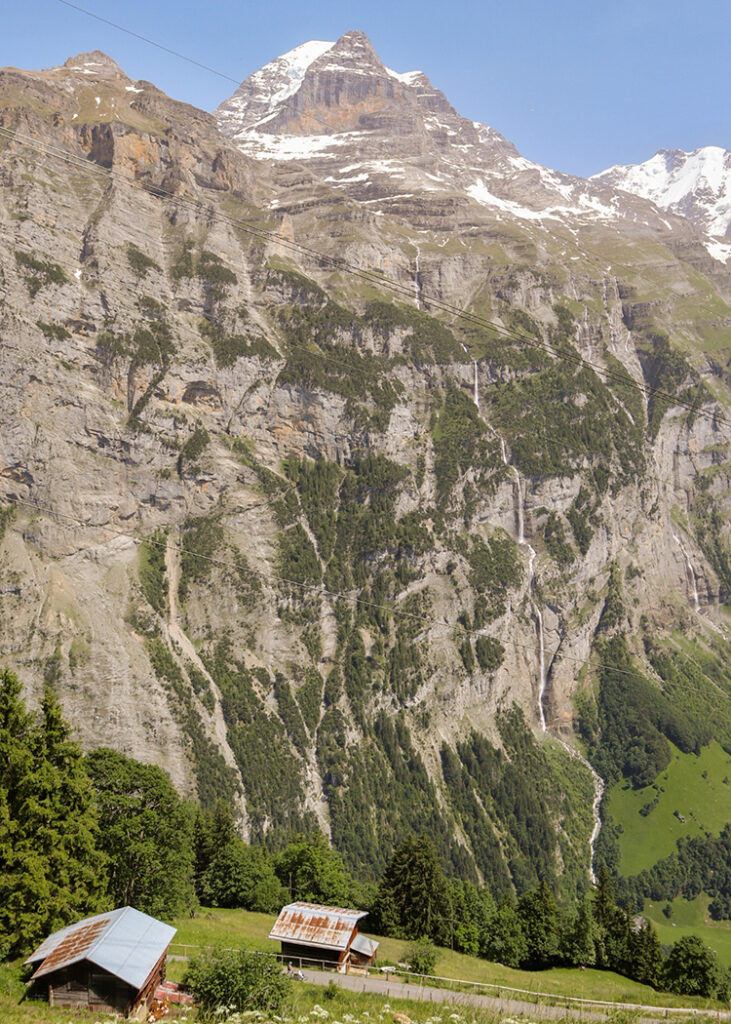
(80, 834)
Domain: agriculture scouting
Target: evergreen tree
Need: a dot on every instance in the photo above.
(51, 869)
(612, 940)
(464, 917)
(577, 934)
(506, 943)
(413, 897)
(646, 959)
(214, 829)
(539, 919)
(484, 916)
(147, 832)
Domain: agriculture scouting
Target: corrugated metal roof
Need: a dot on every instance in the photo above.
(363, 945)
(314, 925)
(125, 942)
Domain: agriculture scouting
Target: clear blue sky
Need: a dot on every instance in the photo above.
(577, 85)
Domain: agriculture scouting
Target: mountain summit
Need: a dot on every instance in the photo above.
(695, 185)
(374, 134)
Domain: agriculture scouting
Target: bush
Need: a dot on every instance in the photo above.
(237, 979)
(422, 956)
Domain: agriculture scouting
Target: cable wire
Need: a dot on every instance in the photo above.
(150, 42)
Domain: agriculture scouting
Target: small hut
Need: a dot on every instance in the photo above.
(323, 936)
(111, 963)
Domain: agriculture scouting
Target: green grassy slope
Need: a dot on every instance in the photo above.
(692, 786)
(242, 928)
(690, 917)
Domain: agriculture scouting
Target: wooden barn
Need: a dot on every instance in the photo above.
(323, 936)
(111, 963)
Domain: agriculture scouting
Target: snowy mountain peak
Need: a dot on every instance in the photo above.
(375, 133)
(695, 185)
(267, 88)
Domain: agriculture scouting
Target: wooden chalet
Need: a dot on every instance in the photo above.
(311, 934)
(111, 963)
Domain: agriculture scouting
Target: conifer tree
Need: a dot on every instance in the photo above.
(646, 957)
(51, 869)
(539, 918)
(413, 897)
(612, 926)
(578, 934)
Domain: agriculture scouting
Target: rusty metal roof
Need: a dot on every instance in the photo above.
(124, 942)
(311, 924)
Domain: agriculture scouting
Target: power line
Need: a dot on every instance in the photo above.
(339, 264)
(150, 42)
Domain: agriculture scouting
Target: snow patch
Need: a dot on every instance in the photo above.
(292, 147)
(585, 204)
(131, 88)
(408, 77)
(720, 251)
(356, 177)
(287, 71)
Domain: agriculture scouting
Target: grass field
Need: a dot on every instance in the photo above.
(241, 928)
(692, 786)
(690, 917)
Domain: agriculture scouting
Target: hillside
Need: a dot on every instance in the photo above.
(277, 516)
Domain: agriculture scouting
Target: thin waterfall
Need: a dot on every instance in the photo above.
(521, 510)
(417, 278)
(596, 804)
(691, 576)
(599, 787)
(542, 665)
(538, 614)
(476, 389)
(609, 316)
(543, 675)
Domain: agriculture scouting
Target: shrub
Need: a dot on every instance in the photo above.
(237, 979)
(422, 956)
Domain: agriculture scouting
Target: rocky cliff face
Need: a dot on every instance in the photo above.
(276, 516)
